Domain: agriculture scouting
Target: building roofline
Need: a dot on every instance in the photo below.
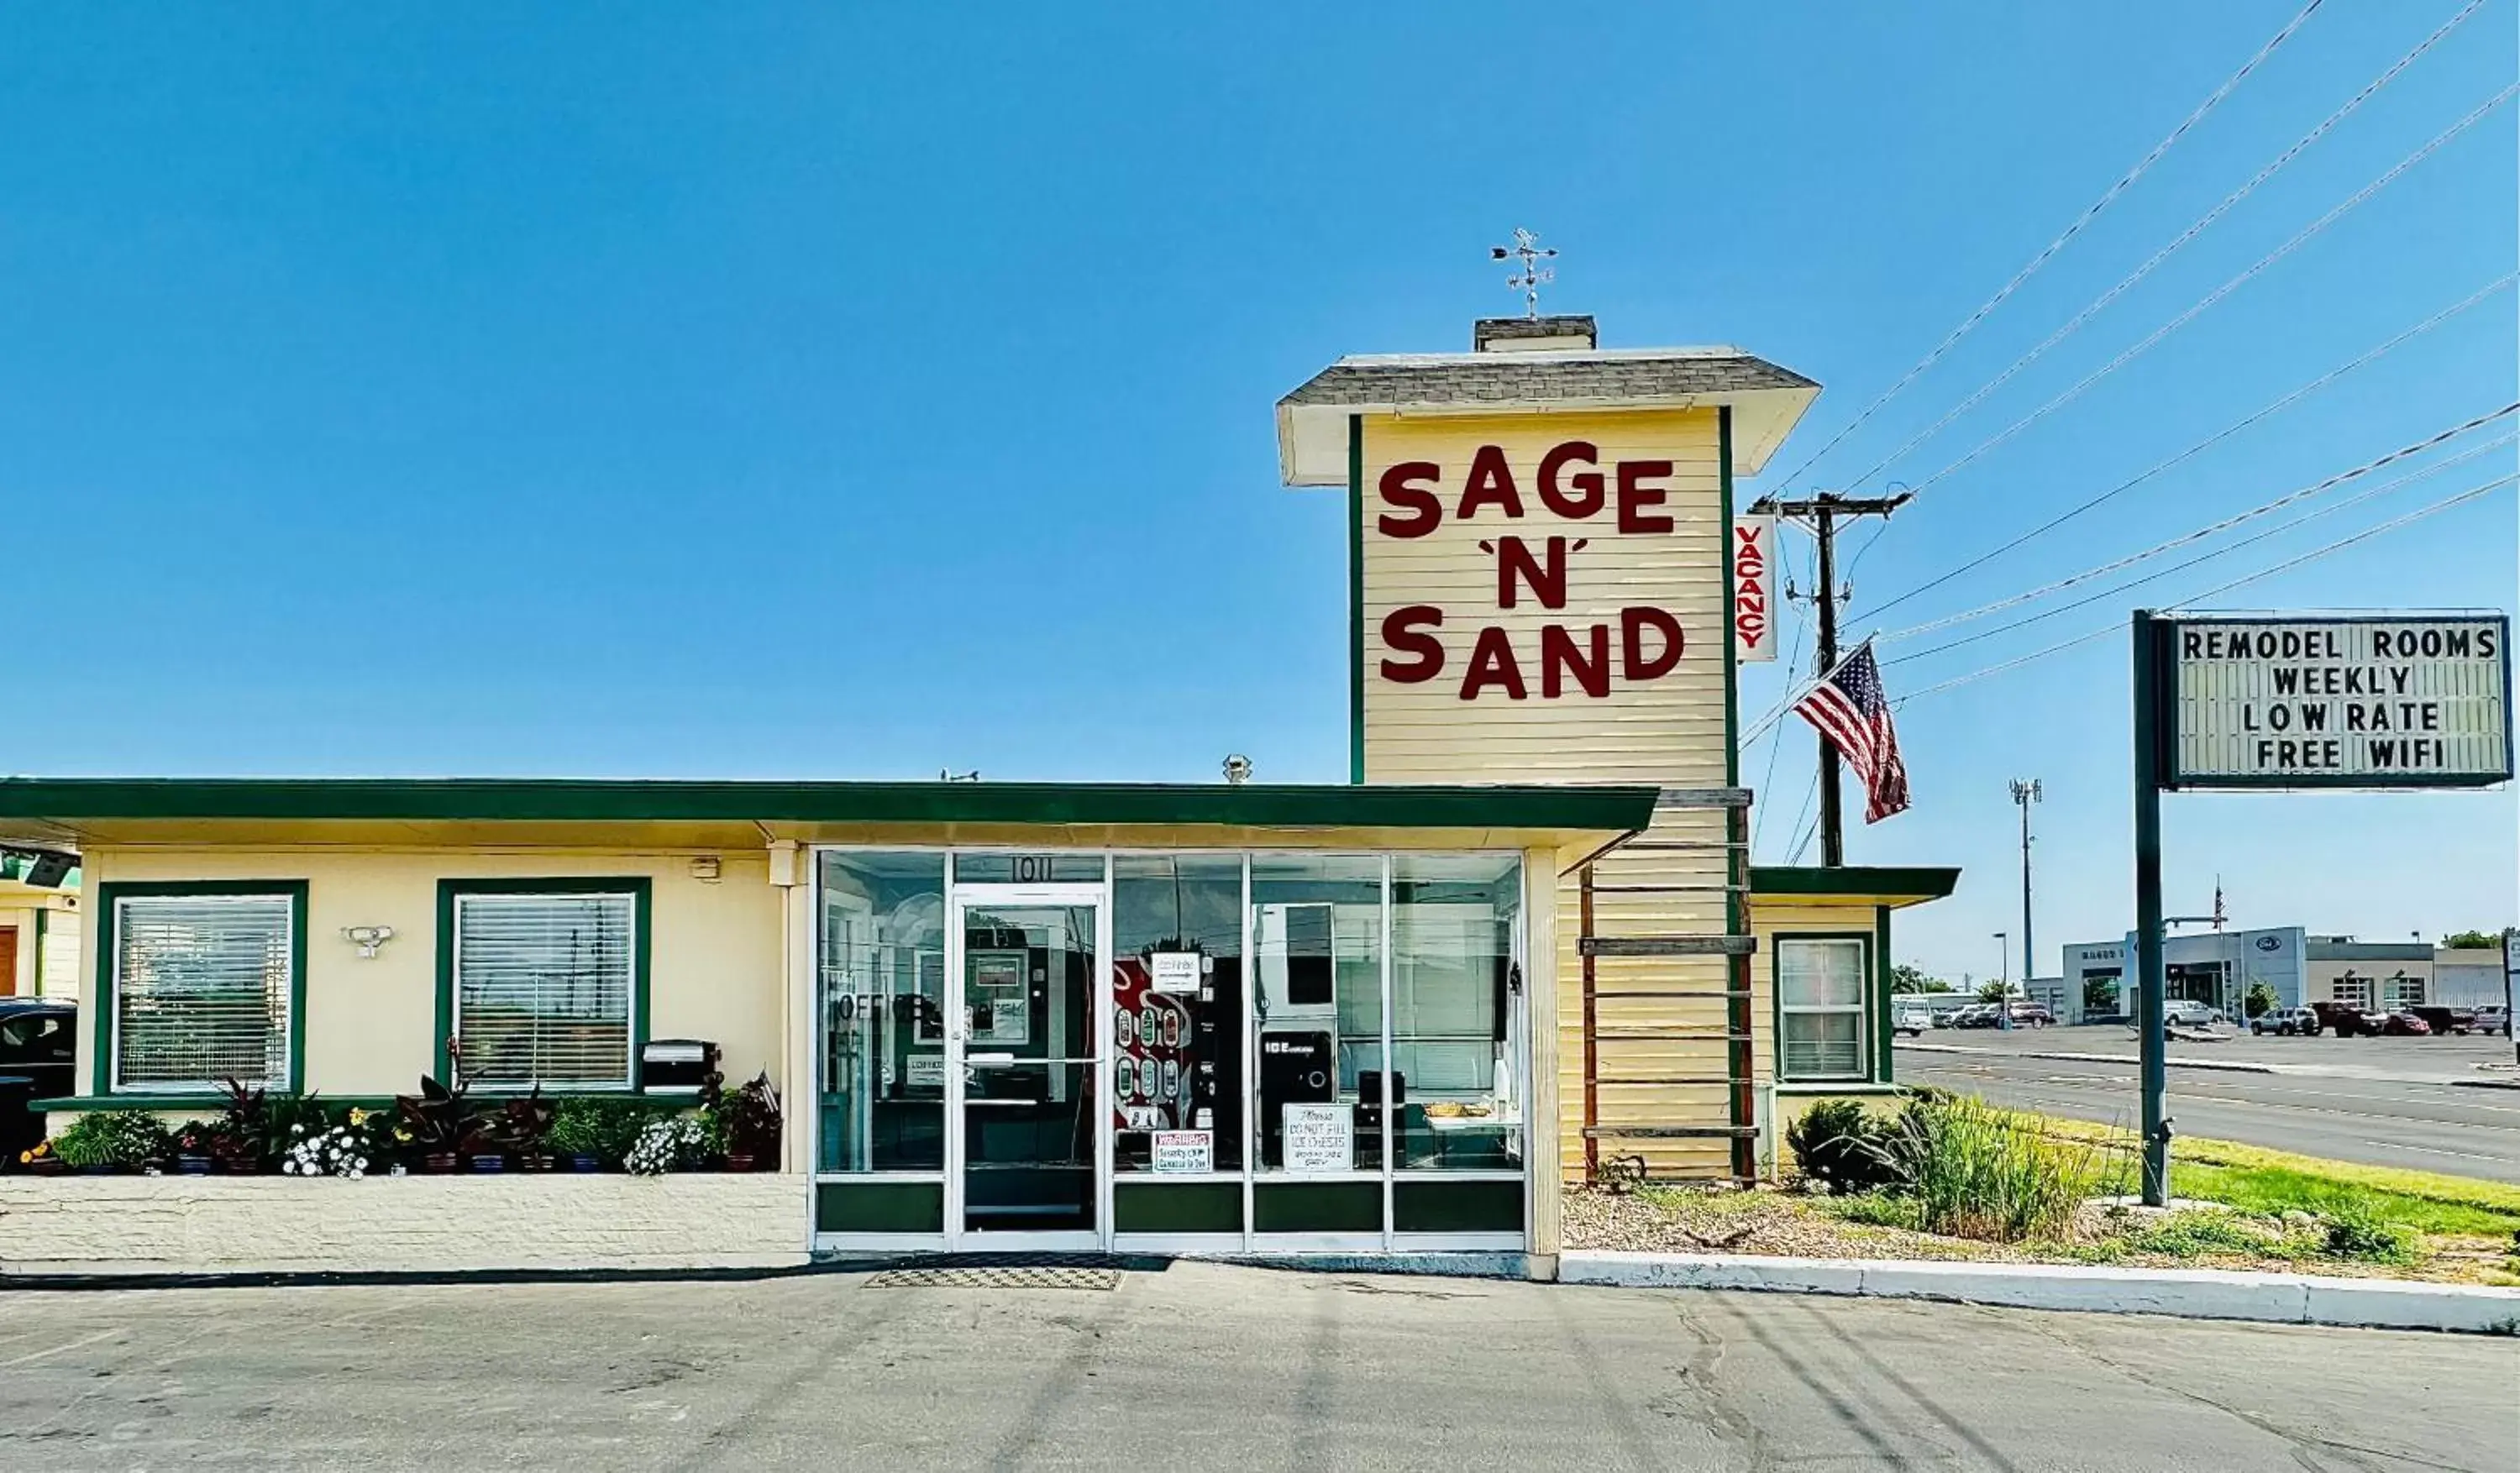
(68, 802)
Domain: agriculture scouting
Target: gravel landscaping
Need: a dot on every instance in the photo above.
(1770, 1220)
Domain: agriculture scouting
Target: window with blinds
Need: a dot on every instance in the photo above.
(201, 990)
(543, 988)
(1820, 1008)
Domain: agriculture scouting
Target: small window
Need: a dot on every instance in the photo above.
(201, 990)
(545, 988)
(1821, 1002)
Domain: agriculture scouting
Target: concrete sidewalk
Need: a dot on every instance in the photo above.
(2187, 1293)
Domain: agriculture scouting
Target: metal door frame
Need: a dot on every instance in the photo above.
(960, 899)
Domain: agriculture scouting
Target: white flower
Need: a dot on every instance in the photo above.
(298, 1130)
(288, 1168)
(361, 1163)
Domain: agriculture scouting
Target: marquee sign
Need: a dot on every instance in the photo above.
(2371, 700)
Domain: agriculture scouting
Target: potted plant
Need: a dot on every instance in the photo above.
(195, 1154)
(434, 1123)
(577, 1136)
(104, 1142)
(513, 1128)
(747, 1120)
(673, 1143)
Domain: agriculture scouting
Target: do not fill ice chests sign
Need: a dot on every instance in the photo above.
(2369, 700)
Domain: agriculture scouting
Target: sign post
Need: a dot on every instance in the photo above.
(2290, 702)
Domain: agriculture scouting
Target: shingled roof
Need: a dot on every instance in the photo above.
(1768, 399)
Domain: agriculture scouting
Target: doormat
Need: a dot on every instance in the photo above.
(1002, 1277)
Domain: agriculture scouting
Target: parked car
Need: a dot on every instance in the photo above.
(38, 1042)
(2287, 1021)
(2494, 1017)
(2346, 1020)
(1974, 1015)
(1910, 1018)
(2031, 1015)
(2405, 1025)
(2446, 1020)
(2191, 1015)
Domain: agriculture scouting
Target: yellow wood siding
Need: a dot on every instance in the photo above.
(1670, 731)
(1667, 730)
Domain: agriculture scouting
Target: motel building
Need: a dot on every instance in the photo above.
(1521, 948)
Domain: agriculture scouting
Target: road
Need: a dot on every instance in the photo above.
(1205, 1366)
(2383, 1101)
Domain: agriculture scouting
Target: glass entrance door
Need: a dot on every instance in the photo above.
(1026, 1164)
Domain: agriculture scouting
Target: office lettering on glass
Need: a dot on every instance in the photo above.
(1637, 644)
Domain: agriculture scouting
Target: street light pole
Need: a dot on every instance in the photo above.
(2003, 980)
(2025, 794)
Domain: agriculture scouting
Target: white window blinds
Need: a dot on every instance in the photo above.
(1820, 1000)
(200, 990)
(543, 988)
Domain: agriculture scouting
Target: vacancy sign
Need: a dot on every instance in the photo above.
(2364, 701)
(1753, 571)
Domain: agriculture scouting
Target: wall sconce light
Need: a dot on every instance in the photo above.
(706, 867)
(367, 938)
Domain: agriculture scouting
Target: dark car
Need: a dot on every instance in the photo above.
(2405, 1025)
(38, 1043)
(2031, 1015)
(2446, 1020)
(2346, 1020)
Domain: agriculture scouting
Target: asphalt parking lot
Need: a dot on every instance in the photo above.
(2409, 1102)
(1205, 1366)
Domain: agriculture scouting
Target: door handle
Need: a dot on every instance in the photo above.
(988, 1059)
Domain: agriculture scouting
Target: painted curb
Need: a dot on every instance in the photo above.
(2187, 1293)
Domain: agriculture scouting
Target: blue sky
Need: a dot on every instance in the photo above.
(855, 392)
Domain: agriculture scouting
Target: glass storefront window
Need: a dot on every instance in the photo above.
(1316, 953)
(880, 996)
(1457, 1043)
(1177, 1005)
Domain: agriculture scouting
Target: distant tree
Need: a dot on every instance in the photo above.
(2466, 941)
(2261, 999)
(1994, 991)
(1905, 978)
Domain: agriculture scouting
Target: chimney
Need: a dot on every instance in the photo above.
(1533, 334)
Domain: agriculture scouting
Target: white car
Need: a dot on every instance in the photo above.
(1910, 1020)
(2190, 1016)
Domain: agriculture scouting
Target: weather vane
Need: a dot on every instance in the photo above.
(1533, 275)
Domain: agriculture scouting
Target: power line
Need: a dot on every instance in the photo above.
(2106, 199)
(2203, 222)
(2256, 537)
(2417, 514)
(2207, 444)
(2154, 338)
(2229, 522)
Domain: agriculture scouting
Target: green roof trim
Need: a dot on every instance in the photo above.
(1929, 882)
(71, 800)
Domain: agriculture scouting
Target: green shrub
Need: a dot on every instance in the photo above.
(1876, 1209)
(605, 1129)
(2208, 1235)
(1839, 1146)
(127, 1138)
(2355, 1231)
(1978, 1172)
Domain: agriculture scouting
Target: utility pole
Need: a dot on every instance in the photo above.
(2024, 794)
(1823, 511)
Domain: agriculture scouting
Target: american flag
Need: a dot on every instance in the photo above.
(1852, 714)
